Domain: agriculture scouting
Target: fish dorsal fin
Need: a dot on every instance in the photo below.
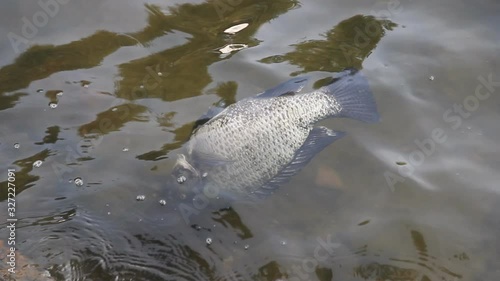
(211, 113)
(318, 139)
(289, 87)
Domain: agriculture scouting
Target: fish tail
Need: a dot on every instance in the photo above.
(353, 97)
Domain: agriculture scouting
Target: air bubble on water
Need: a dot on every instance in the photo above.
(78, 181)
(160, 74)
(209, 241)
(109, 213)
(40, 90)
(17, 145)
(431, 78)
(163, 202)
(125, 149)
(53, 104)
(60, 93)
(141, 86)
(37, 163)
(181, 179)
(114, 109)
(247, 247)
(283, 243)
(140, 197)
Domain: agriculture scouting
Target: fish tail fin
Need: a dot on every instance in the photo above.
(352, 92)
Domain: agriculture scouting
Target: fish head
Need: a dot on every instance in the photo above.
(186, 175)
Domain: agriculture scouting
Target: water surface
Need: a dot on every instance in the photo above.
(108, 92)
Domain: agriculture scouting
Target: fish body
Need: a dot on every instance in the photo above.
(258, 143)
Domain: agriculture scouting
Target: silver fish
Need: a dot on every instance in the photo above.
(258, 143)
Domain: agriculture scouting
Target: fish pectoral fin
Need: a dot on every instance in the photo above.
(318, 139)
(289, 87)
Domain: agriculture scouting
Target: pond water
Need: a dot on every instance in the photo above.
(98, 97)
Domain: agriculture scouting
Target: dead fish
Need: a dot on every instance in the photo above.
(255, 145)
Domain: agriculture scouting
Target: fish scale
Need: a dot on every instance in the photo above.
(260, 141)
(279, 128)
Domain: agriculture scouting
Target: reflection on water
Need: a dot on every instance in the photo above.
(347, 44)
(420, 267)
(112, 107)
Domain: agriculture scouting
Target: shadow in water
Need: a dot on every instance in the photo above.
(24, 179)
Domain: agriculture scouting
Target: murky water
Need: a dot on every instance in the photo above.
(97, 97)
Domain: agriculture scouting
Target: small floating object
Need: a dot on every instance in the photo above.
(53, 104)
(431, 78)
(208, 241)
(78, 181)
(163, 202)
(181, 179)
(236, 28)
(247, 247)
(17, 145)
(232, 48)
(125, 149)
(140, 197)
(84, 83)
(40, 90)
(37, 163)
(60, 93)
